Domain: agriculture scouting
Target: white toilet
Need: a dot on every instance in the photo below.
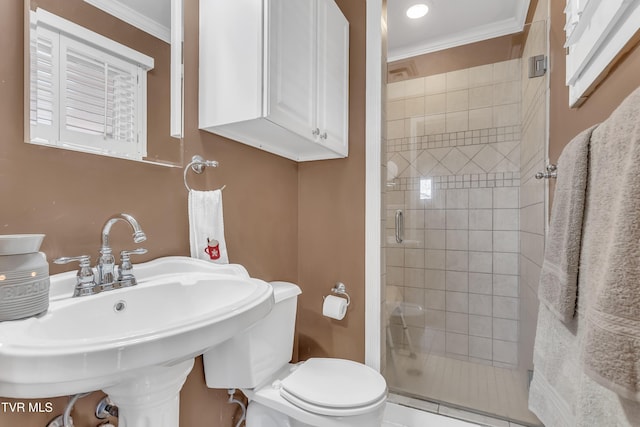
(320, 392)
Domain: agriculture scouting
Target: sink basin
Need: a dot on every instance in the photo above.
(180, 308)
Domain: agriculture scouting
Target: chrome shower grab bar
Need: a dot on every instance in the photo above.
(399, 226)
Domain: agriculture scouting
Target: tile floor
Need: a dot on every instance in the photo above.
(461, 384)
(396, 415)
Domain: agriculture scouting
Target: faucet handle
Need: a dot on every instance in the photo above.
(85, 277)
(125, 274)
(85, 260)
(125, 256)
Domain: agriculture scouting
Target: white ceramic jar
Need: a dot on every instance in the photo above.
(24, 277)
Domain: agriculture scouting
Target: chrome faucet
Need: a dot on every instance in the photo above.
(106, 262)
(104, 278)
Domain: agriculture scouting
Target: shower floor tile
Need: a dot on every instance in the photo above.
(483, 388)
(402, 416)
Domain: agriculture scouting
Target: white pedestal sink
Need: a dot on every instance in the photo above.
(137, 344)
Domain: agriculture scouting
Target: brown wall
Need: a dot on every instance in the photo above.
(457, 58)
(564, 122)
(331, 223)
(301, 223)
(68, 196)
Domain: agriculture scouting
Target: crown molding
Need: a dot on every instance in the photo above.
(133, 17)
(511, 25)
(484, 32)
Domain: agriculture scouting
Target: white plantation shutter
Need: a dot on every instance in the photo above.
(85, 95)
(99, 102)
(44, 87)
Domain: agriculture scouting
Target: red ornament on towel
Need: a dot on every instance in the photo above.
(212, 249)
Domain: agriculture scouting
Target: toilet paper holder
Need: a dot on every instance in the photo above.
(341, 289)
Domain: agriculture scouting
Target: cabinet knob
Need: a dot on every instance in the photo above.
(323, 136)
(315, 132)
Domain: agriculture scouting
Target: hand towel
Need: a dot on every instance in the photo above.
(206, 226)
(612, 339)
(559, 276)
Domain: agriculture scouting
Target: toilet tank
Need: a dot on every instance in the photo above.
(250, 358)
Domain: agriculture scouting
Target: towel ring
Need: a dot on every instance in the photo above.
(198, 165)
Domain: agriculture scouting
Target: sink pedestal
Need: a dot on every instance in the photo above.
(152, 398)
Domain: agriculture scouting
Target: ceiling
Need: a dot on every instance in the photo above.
(159, 11)
(450, 23)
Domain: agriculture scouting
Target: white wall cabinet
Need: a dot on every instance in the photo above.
(274, 75)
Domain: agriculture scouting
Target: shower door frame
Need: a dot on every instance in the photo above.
(375, 62)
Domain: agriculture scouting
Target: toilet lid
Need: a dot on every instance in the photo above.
(334, 387)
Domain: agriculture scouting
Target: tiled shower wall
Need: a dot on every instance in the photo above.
(456, 272)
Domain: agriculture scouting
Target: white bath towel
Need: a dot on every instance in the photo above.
(585, 370)
(612, 338)
(559, 276)
(561, 394)
(206, 226)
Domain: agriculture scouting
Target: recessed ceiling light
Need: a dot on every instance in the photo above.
(417, 11)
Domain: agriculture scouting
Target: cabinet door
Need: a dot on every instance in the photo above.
(292, 75)
(333, 78)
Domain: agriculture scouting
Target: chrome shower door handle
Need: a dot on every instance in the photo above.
(399, 226)
(552, 172)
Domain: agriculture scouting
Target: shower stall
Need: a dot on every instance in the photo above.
(463, 232)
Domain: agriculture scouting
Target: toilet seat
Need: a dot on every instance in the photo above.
(334, 387)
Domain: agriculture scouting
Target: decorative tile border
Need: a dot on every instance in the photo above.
(455, 139)
(457, 154)
(485, 180)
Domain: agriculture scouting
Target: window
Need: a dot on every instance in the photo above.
(596, 31)
(87, 92)
(425, 189)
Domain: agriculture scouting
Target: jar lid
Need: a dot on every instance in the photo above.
(17, 244)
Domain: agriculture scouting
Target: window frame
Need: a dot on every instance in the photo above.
(597, 31)
(65, 34)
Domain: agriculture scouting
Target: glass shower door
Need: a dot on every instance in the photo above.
(465, 222)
